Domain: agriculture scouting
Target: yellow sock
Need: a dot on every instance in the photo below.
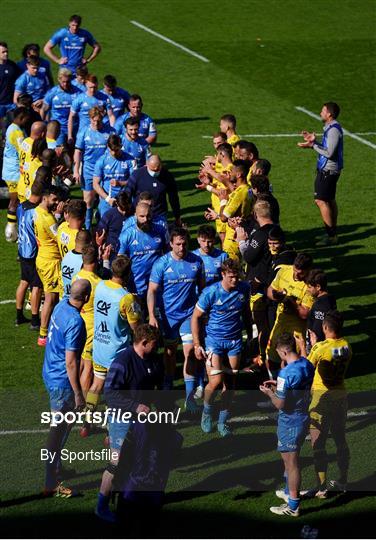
(322, 478)
(92, 400)
(43, 331)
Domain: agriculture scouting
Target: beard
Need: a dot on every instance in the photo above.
(144, 226)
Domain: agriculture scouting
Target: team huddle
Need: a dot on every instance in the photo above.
(109, 278)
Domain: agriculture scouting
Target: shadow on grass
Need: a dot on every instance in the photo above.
(180, 120)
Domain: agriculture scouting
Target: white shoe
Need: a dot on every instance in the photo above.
(199, 392)
(280, 493)
(334, 485)
(11, 233)
(314, 493)
(284, 510)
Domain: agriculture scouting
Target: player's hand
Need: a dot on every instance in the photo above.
(223, 195)
(60, 207)
(308, 136)
(63, 60)
(153, 321)
(241, 234)
(210, 215)
(79, 400)
(37, 104)
(111, 201)
(279, 296)
(142, 409)
(106, 253)
(199, 352)
(201, 186)
(99, 238)
(305, 144)
(77, 176)
(312, 337)
(266, 390)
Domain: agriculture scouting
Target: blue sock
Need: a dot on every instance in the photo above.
(208, 408)
(286, 484)
(103, 502)
(293, 503)
(190, 388)
(88, 218)
(201, 376)
(168, 382)
(223, 416)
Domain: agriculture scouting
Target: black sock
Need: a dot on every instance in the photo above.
(330, 231)
(20, 314)
(35, 320)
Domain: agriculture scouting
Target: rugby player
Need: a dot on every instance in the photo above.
(48, 259)
(178, 277)
(89, 272)
(111, 173)
(116, 315)
(290, 394)
(210, 255)
(72, 41)
(317, 285)
(38, 132)
(58, 101)
(14, 136)
(226, 305)
(294, 302)
(67, 231)
(143, 243)
(66, 339)
(118, 97)
(72, 261)
(133, 144)
(90, 145)
(227, 124)
(32, 82)
(146, 128)
(328, 408)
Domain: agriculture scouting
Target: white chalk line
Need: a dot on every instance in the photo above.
(345, 131)
(7, 302)
(277, 135)
(235, 419)
(170, 41)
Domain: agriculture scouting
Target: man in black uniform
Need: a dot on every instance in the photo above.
(255, 252)
(317, 285)
(9, 72)
(281, 254)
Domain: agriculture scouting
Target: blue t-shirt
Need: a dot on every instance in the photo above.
(27, 242)
(82, 104)
(59, 102)
(66, 332)
(178, 281)
(118, 100)
(36, 86)
(224, 310)
(70, 266)
(72, 45)
(108, 167)
(212, 263)
(80, 86)
(93, 144)
(293, 385)
(138, 149)
(145, 129)
(143, 248)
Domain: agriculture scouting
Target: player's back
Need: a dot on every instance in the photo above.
(27, 242)
(293, 385)
(70, 265)
(284, 281)
(87, 312)
(331, 359)
(66, 238)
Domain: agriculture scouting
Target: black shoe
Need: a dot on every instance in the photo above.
(21, 320)
(34, 327)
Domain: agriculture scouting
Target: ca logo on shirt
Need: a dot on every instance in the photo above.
(103, 307)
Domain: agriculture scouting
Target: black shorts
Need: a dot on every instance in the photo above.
(326, 185)
(29, 272)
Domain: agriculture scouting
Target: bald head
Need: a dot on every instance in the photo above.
(38, 130)
(143, 216)
(154, 164)
(80, 291)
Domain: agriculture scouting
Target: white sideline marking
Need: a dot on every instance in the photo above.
(174, 43)
(241, 419)
(345, 131)
(276, 135)
(7, 302)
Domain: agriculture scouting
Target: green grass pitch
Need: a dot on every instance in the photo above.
(265, 59)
